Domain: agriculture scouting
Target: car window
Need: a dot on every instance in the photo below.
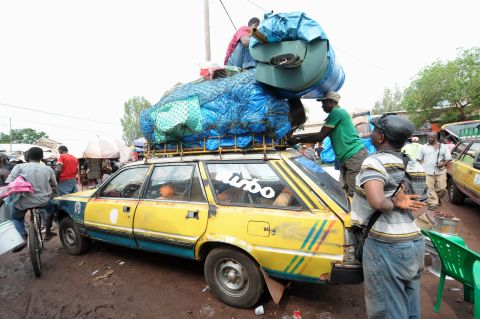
(126, 184)
(175, 182)
(471, 154)
(459, 149)
(326, 182)
(253, 184)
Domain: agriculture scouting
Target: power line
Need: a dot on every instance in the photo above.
(366, 62)
(256, 5)
(57, 114)
(49, 124)
(228, 15)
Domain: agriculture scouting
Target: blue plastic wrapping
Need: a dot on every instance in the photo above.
(298, 26)
(236, 105)
(328, 155)
(289, 26)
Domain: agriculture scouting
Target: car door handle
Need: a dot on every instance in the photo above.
(126, 209)
(192, 214)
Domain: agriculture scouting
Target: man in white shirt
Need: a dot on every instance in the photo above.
(434, 158)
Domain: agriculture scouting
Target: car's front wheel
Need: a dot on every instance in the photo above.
(233, 277)
(455, 195)
(71, 239)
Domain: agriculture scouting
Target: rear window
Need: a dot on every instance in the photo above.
(326, 182)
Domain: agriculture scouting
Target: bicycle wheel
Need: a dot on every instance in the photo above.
(34, 248)
(37, 223)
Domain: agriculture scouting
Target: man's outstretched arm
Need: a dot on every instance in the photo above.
(312, 138)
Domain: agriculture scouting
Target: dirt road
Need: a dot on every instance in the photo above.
(114, 282)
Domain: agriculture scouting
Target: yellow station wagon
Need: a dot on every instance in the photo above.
(239, 213)
(464, 171)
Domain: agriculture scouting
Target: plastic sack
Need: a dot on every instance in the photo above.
(235, 105)
(319, 69)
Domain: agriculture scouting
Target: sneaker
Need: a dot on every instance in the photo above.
(19, 247)
(49, 235)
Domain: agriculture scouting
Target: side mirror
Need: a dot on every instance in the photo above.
(476, 165)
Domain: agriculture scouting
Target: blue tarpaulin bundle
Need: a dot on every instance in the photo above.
(307, 66)
(236, 105)
(328, 156)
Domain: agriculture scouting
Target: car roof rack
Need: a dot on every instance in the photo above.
(152, 150)
(469, 133)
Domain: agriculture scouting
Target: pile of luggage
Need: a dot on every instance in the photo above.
(296, 61)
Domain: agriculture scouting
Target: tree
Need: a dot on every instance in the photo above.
(390, 102)
(131, 118)
(448, 91)
(24, 135)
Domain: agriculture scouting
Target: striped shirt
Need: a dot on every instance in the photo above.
(396, 225)
(430, 157)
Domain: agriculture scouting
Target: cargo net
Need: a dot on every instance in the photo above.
(223, 112)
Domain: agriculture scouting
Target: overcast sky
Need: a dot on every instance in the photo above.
(86, 58)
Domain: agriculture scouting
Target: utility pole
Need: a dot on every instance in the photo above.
(207, 30)
(10, 135)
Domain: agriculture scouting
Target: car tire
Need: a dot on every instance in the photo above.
(233, 277)
(73, 242)
(455, 195)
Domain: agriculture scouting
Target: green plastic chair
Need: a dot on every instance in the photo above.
(476, 288)
(457, 262)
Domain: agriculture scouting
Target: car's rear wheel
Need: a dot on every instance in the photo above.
(71, 239)
(233, 277)
(455, 195)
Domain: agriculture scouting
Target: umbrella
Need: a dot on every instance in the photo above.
(107, 147)
(139, 142)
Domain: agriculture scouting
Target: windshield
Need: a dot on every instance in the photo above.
(326, 182)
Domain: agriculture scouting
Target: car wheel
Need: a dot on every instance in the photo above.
(233, 277)
(455, 195)
(71, 239)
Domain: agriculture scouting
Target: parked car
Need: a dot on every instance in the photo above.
(238, 213)
(464, 171)
(451, 131)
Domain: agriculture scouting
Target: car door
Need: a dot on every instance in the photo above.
(109, 214)
(458, 169)
(470, 174)
(173, 211)
(277, 219)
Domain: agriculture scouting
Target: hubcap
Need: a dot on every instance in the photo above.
(69, 236)
(231, 277)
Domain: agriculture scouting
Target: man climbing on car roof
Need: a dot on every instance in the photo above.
(347, 145)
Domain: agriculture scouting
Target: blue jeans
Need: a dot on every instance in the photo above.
(18, 217)
(241, 57)
(68, 186)
(392, 278)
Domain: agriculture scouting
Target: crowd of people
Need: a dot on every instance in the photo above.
(377, 183)
(386, 187)
(46, 182)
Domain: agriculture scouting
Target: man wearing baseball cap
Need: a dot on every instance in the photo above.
(393, 251)
(348, 147)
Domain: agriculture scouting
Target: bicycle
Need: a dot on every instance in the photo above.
(35, 242)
